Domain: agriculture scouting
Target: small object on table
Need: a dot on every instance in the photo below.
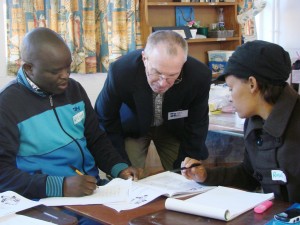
(263, 206)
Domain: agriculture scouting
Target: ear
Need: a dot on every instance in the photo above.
(253, 86)
(144, 58)
(28, 68)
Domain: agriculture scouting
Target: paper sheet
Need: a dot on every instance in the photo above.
(12, 202)
(115, 191)
(139, 195)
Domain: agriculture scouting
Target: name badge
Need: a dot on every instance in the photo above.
(78, 117)
(278, 175)
(177, 114)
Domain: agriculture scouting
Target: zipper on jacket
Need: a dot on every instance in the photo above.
(58, 120)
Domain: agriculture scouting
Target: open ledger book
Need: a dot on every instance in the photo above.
(221, 203)
(167, 183)
(173, 184)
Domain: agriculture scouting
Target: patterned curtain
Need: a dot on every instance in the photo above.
(96, 31)
(247, 10)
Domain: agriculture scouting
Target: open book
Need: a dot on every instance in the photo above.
(221, 203)
(173, 184)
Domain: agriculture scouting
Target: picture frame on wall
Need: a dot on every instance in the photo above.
(184, 31)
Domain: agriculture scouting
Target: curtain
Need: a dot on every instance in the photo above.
(96, 31)
(247, 10)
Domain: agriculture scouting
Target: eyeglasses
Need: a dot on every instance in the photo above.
(155, 76)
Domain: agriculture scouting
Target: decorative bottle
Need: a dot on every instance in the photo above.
(221, 19)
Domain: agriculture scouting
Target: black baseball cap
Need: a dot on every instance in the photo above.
(264, 60)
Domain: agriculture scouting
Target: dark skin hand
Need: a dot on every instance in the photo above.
(77, 186)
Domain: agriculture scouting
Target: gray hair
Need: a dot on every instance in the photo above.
(170, 39)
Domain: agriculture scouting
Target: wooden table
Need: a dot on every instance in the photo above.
(50, 214)
(166, 217)
(108, 215)
(156, 214)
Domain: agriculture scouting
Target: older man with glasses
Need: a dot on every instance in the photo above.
(158, 94)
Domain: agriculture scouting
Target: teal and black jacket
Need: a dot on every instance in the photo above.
(41, 135)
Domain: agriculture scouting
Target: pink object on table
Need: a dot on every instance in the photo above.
(263, 207)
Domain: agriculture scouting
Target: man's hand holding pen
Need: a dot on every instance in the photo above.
(196, 173)
(77, 186)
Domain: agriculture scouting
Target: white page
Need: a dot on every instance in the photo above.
(220, 203)
(115, 191)
(12, 202)
(139, 195)
(172, 184)
(15, 219)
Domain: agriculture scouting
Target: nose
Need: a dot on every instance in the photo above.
(162, 81)
(65, 73)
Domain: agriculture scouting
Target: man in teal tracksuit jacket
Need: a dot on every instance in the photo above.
(45, 130)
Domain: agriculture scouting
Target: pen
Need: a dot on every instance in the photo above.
(76, 170)
(185, 168)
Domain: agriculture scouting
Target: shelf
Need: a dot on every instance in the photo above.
(157, 13)
(197, 40)
(208, 4)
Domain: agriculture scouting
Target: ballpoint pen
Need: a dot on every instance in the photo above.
(185, 168)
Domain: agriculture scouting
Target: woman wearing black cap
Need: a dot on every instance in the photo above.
(256, 74)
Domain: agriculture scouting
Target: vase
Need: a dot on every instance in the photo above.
(193, 32)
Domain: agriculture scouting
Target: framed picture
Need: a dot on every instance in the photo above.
(184, 31)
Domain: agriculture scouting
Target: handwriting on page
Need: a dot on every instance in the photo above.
(115, 191)
(172, 184)
(12, 202)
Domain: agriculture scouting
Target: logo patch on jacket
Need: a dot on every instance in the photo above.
(77, 118)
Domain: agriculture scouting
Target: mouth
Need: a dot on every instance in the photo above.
(63, 85)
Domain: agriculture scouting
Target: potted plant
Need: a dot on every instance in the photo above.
(193, 25)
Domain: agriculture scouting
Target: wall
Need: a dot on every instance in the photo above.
(3, 39)
(279, 23)
(92, 83)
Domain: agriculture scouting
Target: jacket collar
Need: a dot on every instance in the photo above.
(277, 121)
(25, 81)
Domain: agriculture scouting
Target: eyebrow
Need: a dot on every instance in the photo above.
(174, 74)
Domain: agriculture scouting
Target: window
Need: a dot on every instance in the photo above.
(2, 37)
